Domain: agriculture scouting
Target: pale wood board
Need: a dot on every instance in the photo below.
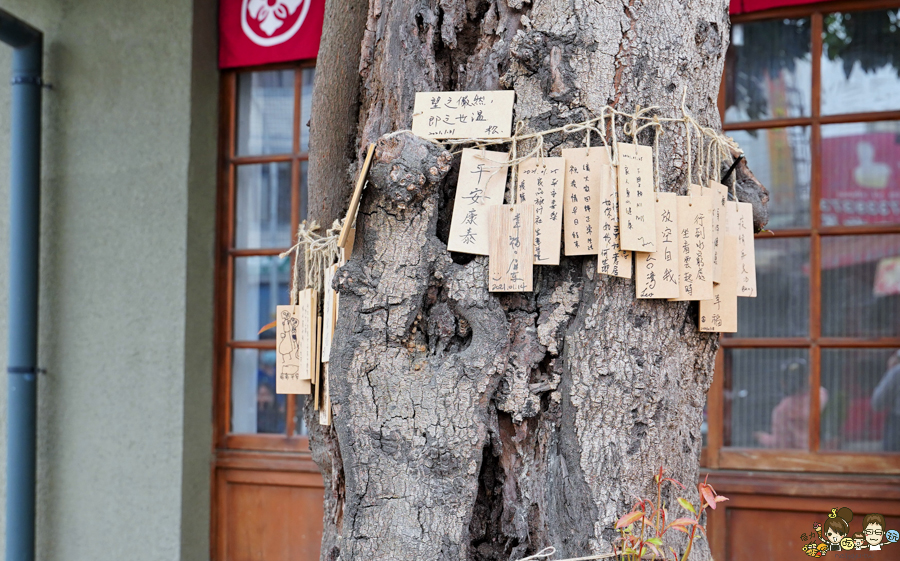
(541, 184)
(354, 200)
(347, 249)
(581, 199)
(463, 114)
(611, 259)
(656, 274)
(482, 182)
(719, 195)
(325, 406)
(328, 313)
(315, 378)
(694, 247)
(746, 251)
(287, 358)
(720, 313)
(637, 222)
(511, 260)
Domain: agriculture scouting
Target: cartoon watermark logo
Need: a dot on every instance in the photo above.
(836, 534)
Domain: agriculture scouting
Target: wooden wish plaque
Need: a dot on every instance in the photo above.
(296, 345)
(637, 221)
(719, 194)
(746, 249)
(581, 199)
(482, 181)
(612, 260)
(329, 313)
(541, 184)
(694, 246)
(463, 114)
(720, 313)
(656, 274)
(511, 259)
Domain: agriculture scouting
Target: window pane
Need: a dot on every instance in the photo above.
(862, 413)
(768, 70)
(265, 113)
(255, 407)
(861, 286)
(766, 398)
(306, 107)
(860, 62)
(860, 175)
(263, 206)
(304, 191)
(781, 308)
(300, 428)
(780, 159)
(260, 284)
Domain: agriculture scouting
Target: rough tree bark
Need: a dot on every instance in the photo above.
(471, 425)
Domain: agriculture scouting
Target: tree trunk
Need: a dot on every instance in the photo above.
(474, 425)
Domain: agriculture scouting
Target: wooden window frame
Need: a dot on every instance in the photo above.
(716, 455)
(226, 254)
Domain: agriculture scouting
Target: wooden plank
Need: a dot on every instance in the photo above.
(637, 222)
(694, 248)
(611, 260)
(656, 274)
(482, 182)
(486, 114)
(720, 314)
(354, 201)
(581, 199)
(719, 194)
(541, 183)
(511, 258)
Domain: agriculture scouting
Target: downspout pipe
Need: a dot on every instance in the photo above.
(24, 235)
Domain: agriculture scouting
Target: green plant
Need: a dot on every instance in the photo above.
(653, 520)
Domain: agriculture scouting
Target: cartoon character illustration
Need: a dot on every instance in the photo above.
(296, 346)
(837, 526)
(859, 541)
(873, 527)
(815, 550)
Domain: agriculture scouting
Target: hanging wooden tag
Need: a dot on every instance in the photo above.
(482, 181)
(318, 353)
(295, 345)
(328, 313)
(637, 220)
(694, 246)
(743, 229)
(720, 313)
(581, 199)
(511, 260)
(463, 114)
(354, 200)
(719, 194)
(657, 273)
(541, 184)
(612, 260)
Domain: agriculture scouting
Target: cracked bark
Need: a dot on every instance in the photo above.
(471, 425)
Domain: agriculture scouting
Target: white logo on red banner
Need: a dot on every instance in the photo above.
(272, 22)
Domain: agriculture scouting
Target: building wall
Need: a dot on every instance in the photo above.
(125, 408)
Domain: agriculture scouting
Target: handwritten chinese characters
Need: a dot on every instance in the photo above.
(743, 229)
(463, 114)
(511, 259)
(611, 260)
(637, 224)
(295, 342)
(581, 199)
(656, 273)
(720, 313)
(541, 184)
(482, 180)
(719, 194)
(694, 247)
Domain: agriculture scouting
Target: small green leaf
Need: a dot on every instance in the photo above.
(687, 505)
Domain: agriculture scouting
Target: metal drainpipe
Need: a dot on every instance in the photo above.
(24, 236)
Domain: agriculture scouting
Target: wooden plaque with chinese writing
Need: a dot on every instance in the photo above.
(720, 313)
(611, 260)
(511, 257)
(656, 274)
(719, 194)
(581, 199)
(743, 229)
(463, 114)
(541, 184)
(694, 247)
(637, 222)
(328, 313)
(482, 181)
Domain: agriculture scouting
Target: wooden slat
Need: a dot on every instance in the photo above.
(261, 159)
(793, 460)
(274, 442)
(265, 461)
(357, 193)
(836, 486)
(261, 252)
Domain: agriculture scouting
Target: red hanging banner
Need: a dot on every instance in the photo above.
(254, 32)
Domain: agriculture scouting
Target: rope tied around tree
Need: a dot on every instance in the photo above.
(319, 252)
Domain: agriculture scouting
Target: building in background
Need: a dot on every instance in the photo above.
(175, 159)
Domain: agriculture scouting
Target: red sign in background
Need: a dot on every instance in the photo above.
(255, 32)
(745, 6)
